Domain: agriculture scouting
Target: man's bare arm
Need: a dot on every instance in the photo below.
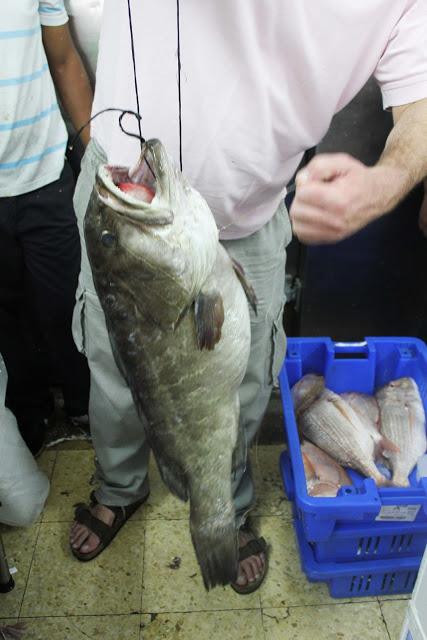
(69, 76)
(337, 195)
(406, 148)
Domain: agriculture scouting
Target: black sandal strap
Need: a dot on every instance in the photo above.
(252, 548)
(83, 516)
(127, 511)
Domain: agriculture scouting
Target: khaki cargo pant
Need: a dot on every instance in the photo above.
(118, 436)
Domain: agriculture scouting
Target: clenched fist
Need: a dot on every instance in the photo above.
(337, 195)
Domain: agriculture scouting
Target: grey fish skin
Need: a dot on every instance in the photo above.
(332, 425)
(179, 326)
(403, 421)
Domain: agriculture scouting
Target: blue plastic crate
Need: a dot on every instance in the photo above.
(362, 367)
(364, 541)
(358, 579)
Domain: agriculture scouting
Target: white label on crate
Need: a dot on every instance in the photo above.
(402, 513)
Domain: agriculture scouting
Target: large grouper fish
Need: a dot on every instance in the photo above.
(176, 309)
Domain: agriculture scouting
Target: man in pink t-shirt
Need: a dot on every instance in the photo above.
(258, 84)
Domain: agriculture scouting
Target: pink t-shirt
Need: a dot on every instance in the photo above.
(260, 83)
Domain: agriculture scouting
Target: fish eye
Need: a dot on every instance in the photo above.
(108, 239)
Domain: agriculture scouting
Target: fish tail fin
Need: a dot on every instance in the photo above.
(214, 534)
(217, 553)
(381, 480)
(400, 480)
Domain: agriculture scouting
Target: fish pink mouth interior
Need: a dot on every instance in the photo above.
(139, 182)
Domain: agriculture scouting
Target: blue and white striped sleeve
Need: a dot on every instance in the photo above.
(52, 13)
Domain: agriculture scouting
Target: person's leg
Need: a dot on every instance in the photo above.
(48, 234)
(28, 394)
(263, 258)
(117, 431)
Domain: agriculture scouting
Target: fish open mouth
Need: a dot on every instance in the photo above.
(143, 180)
(139, 182)
(132, 192)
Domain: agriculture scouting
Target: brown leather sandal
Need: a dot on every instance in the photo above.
(106, 533)
(252, 548)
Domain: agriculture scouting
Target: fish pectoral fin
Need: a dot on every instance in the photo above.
(247, 287)
(209, 317)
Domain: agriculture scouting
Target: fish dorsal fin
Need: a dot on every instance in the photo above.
(209, 317)
(247, 287)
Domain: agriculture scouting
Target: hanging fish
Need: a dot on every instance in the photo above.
(178, 322)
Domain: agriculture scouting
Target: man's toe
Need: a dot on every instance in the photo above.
(90, 544)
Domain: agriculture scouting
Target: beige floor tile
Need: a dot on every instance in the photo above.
(74, 469)
(399, 596)
(271, 500)
(46, 462)
(161, 503)
(19, 545)
(337, 622)
(83, 628)
(286, 584)
(61, 585)
(70, 484)
(168, 587)
(394, 612)
(214, 625)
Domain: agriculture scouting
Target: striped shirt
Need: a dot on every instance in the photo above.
(32, 133)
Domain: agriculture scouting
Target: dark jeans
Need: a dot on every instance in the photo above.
(39, 267)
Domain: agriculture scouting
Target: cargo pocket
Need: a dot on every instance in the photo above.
(278, 347)
(78, 321)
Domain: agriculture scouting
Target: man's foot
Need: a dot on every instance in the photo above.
(96, 525)
(253, 562)
(82, 539)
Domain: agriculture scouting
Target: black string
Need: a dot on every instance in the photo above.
(179, 82)
(141, 139)
(123, 112)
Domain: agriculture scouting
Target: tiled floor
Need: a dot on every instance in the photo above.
(132, 591)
